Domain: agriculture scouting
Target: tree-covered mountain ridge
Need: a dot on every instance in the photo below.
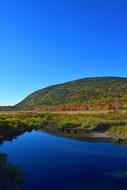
(86, 93)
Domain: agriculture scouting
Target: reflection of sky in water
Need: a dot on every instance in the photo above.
(57, 163)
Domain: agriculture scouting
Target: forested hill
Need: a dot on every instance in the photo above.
(100, 93)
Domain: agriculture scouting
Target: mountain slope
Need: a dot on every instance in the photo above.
(82, 91)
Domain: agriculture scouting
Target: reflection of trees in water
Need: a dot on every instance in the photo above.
(11, 177)
(8, 133)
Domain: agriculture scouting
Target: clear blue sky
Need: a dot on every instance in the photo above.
(44, 42)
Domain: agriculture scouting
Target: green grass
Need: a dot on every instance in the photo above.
(118, 131)
(110, 123)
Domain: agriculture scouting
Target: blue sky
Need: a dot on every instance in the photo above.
(44, 42)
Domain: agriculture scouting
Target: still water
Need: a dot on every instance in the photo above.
(52, 162)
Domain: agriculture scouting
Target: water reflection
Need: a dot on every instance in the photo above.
(51, 162)
(11, 177)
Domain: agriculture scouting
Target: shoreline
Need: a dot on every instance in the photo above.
(96, 137)
(101, 125)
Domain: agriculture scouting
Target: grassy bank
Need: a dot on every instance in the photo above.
(112, 123)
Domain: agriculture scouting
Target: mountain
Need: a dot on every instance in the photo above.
(87, 91)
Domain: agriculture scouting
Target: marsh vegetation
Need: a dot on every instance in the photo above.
(106, 124)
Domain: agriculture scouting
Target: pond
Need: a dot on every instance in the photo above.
(51, 162)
